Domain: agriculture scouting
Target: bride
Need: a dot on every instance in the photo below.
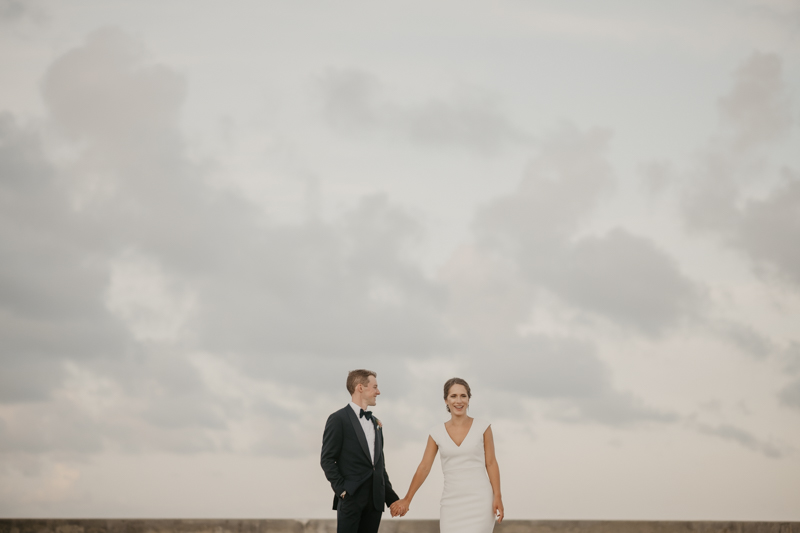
(471, 499)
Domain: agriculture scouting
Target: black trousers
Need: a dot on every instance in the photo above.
(356, 513)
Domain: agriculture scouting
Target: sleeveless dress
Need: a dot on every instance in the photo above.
(466, 505)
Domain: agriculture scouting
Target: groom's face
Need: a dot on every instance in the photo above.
(370, 391)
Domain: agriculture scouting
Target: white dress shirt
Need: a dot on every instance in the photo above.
(369, 430)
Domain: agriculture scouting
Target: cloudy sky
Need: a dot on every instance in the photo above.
(210, 212)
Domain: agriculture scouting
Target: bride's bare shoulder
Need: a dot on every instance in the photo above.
(435, 432)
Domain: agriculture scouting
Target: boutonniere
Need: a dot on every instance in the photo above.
(378, 421)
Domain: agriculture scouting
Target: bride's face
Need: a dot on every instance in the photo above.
(458, 400)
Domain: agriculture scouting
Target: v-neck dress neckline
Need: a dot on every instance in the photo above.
(465, 436)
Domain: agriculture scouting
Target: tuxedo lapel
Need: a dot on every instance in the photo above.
(362, 439)
(378, 440)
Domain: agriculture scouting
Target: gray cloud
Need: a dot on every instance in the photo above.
(354, 101)
(342, 290)
(758, 108)
(764, 228)
(16, 10)
(626, 278)
(59, 427)
(769, 229)
(756, 112)
(709, 201)
(740, 436)
(109, 247)
(621, 276)
(26, 379)
(546, 367)
(105, 91)
(557, 193)
(746, 338)
(259, 289)
(127, 238)
(11, 8)
(488, 301)
(792, 357)
(614, 408)
(49, 288)
(657, 176)
(790, 395)
(282, 298)
(180, 411)
(570, 374)
(528, 241)
(486, 296)
(350, 99)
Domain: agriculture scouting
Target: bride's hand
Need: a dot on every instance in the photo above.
(497, 508)
(405, 506)
(400, 507)
(395, 509)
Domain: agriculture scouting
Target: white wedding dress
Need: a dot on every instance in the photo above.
(467, 496)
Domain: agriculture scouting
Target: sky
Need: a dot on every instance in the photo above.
(210, 212)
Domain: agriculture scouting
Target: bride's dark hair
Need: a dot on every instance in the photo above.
(455, 381)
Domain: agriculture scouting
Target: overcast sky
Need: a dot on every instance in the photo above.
(211, 211)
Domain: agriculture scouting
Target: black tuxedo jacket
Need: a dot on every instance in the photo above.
(346, 462)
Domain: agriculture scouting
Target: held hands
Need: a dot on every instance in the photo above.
(399, 508)
(497, 508)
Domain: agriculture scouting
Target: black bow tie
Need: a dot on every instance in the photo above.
(367, 414)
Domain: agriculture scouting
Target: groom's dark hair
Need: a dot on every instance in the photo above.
(358, 377)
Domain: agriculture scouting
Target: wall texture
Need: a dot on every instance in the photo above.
(18, 525)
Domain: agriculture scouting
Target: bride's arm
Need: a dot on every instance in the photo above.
(424, 468)
(494, 473)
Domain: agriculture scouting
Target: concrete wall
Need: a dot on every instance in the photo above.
(387, 526)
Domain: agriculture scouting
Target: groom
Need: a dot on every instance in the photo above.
(352, 458)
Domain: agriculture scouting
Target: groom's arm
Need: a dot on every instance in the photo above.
(331, 448)
(390, 496)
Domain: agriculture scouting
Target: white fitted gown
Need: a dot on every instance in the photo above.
(467, 496)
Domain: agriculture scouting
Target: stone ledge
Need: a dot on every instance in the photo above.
(97, 525)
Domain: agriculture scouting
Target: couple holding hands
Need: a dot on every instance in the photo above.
(352, 458)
